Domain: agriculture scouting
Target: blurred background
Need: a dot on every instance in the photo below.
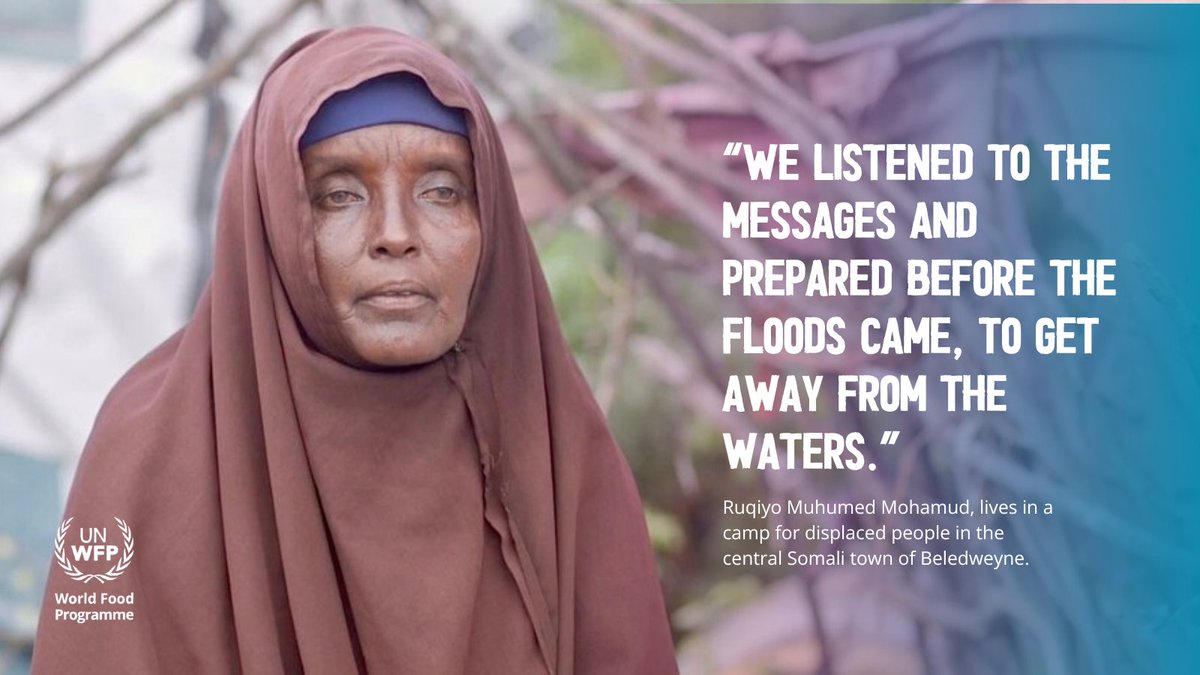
(114, 120)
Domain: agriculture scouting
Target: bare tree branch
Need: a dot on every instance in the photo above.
(633, 157)
(20, 291)
(571, 176)
(600, 188)
(624, 298)
(790, 116)
(718, 44)
(87, 68)
(99, 172)
(214, 24)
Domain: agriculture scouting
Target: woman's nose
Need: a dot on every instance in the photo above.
(395, 233)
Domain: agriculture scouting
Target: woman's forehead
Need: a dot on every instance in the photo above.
(412, 146)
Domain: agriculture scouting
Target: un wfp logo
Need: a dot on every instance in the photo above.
(93, 547)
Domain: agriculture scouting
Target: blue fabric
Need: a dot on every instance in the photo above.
(387, 99)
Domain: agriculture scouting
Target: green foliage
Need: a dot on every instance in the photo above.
(573, 262)
(666, 532)
(585, 54)
(653, 424)
(663, 437)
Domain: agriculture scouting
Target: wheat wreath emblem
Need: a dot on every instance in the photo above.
(74, 572)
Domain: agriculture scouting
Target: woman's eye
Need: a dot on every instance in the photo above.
(340, 198)
(441, 194)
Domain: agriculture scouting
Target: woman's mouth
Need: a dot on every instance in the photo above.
(397, 296)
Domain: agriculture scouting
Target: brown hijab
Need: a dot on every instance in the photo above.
(294, 514)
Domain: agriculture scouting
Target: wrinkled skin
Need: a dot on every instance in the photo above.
(397, 238)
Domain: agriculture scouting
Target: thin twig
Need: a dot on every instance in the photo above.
(99, 173)
(624, 305)
(571, 177)
(20, 278)
(797, 125)
(603, 186)
(820, 630)
(87, 68)
(20, 292)
(726, 51)
(213, 26)
(633, 157)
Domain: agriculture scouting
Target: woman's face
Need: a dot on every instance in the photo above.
(397, 238)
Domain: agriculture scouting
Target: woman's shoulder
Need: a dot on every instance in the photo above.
(145, 413)
(141, 386)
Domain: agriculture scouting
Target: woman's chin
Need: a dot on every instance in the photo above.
(398, 350)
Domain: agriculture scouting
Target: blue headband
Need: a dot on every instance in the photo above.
(387, 99)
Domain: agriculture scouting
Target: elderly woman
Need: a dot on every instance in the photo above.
(369, 450)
